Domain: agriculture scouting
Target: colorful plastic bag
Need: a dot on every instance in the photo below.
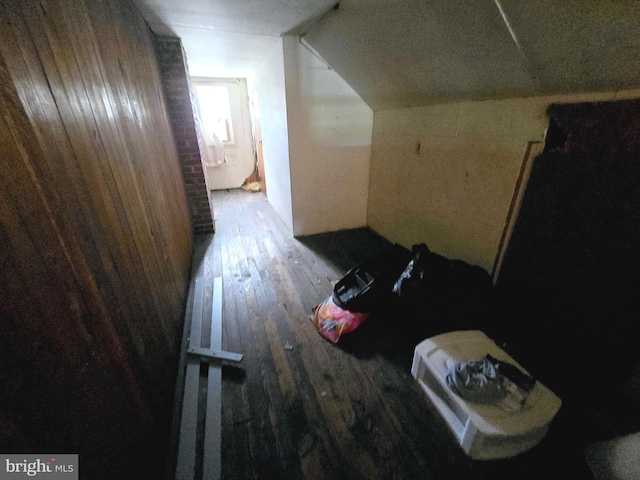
(333, 321)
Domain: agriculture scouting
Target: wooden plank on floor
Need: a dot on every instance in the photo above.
(186, 463)
(198, 256)
(211, 467)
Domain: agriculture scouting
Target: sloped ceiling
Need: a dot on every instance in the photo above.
(413, 52)
(404, 53)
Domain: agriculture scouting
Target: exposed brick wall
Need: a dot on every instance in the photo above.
(178, 93)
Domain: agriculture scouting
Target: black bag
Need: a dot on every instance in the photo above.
(368, 287)
(432, 283)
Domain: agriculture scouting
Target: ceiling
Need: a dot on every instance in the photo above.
(228, 38)
(403, 53)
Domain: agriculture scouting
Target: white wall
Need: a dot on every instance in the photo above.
(455, 194)
(329, 145)
(269, 84)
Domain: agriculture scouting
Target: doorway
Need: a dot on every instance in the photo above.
(226, 124)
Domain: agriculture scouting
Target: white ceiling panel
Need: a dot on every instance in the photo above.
(409, 52)
(578, 44)
(212, 53)
(399, 53)
(255, 17)
(228, 38)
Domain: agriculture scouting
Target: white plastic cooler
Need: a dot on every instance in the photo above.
(485, 432)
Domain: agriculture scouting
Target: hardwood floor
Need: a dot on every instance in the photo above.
(301, 407)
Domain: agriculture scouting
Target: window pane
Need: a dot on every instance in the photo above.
(215, 110)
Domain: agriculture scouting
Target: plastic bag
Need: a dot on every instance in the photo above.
(424, 277)
(432, 283)
(490, 381)
(367, 287)
(333, 321)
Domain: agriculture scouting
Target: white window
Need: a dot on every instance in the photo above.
(215, 111)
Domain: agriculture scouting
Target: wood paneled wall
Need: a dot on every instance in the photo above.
(95, 237)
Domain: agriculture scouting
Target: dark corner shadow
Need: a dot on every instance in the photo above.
(394, 333)
(233, 373)
(346, 249)
(201, 243)
(385, 334)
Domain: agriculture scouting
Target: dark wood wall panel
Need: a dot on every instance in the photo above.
(95, 233)
(571, 274)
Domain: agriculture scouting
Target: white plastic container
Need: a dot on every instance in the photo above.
(484, 432)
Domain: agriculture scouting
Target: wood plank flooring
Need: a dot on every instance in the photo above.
(300, 407)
